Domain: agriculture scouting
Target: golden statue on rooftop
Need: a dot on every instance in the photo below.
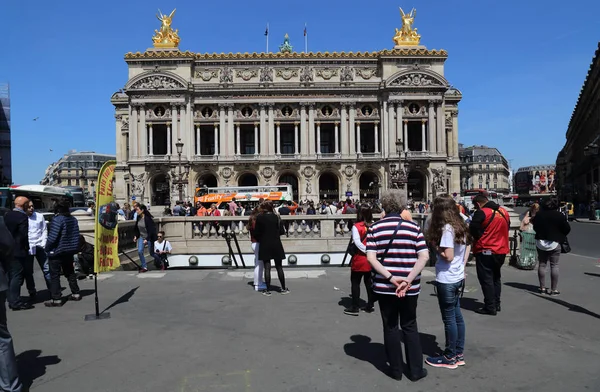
(407, 36)
(166, 37)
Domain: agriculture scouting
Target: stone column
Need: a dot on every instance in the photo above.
(216, 145)
(384, 128)
(169, 139)
(222, 128)
(431, 125)
(358, 150)
(405, 138)
(230, 135)
(336, 132)
(303, 140)
(271, 133)
(263, 128)
(318, 138)
(376, 137)
(238, 143)
(133, 131)
(399, 112)
(189, 131)
(311, 128)
(391, 127)
(352, 129)
(256, 138)
(455, 133)
(344, 130)
(198, 152)
(144, 134)
(151, 134)
(423, 148)
(174, 118)
(441, 132)
(296, 137)
(278, 141)
(182, 125)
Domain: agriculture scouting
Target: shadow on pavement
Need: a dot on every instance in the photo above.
(124, 298)
(470, 304)
(346, 302)
(570, 306)
(86, 292)
(592, 274)
(523, 286)
(32, 366)
(365, 350)
(429, 345)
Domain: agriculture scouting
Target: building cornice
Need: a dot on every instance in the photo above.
(176, 54)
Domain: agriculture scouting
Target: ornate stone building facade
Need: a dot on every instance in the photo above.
(327, 123)
(578, 163)
(483, 167)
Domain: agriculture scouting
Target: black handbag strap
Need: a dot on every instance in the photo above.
(387, 248)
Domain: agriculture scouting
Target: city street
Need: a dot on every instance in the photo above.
(199, 330)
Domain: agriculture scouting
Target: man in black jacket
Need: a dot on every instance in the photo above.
(17, 223)
(9, 376)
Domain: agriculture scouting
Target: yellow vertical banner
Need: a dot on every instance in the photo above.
(106, 247)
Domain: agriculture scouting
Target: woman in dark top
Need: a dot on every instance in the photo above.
(145, 234)
(551, 228)
(267, 231)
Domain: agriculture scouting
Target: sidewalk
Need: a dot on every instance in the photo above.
(184, 331)
(586, 220)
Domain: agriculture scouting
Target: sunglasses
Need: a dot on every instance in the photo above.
(160, 236)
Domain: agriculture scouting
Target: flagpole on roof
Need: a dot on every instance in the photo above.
(305, 39)
(267, 35)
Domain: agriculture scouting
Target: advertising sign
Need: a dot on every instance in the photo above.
(536, 180)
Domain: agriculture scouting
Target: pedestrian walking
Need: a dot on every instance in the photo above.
(489, 227)
(360, 269)
(61, 247)
(551, 229)
(397, 251)
(267, 232)
(9, 374)
(145, 234)
(449, 235)
(18, 225)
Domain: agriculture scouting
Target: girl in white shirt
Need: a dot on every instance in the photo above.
(449, 235)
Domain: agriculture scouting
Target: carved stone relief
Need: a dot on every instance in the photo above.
(327, 73)
(308, 171)
(226, 75)
(246, 74)
(267, 172)
(306, 74)
(207, 74)
(415, 80)
(137, 184)
(286, 73)
(346, 74)
(366, 73)
(156, 82)
(266, 74)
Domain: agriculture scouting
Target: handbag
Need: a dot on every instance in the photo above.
(282, 230)
(565, 247)
(352, 248)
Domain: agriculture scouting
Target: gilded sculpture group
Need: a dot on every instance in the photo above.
(166, 37)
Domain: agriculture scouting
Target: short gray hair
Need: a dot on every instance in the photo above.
(393, 201)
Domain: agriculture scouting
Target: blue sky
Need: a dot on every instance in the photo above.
(519, 63)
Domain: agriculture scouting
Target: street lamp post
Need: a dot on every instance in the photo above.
(181, 177)
(399, 178)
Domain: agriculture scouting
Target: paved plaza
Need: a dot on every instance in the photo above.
(185, 331)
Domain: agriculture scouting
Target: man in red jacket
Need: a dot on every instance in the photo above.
(489, 227)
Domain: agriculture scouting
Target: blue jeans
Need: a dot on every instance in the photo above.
(454, 325)
(42, 259)
(140, 245)
(9, 376)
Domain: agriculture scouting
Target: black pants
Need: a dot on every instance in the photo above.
(355, 278)
(56, 262)
(488, 273)
(391, 308)
(280, 274)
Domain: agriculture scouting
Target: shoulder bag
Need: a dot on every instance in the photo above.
(352, 248)
(565, 247)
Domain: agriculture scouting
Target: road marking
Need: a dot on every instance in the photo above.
(104, 276)
(151, 275)
(289, 274)
(585, 257)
